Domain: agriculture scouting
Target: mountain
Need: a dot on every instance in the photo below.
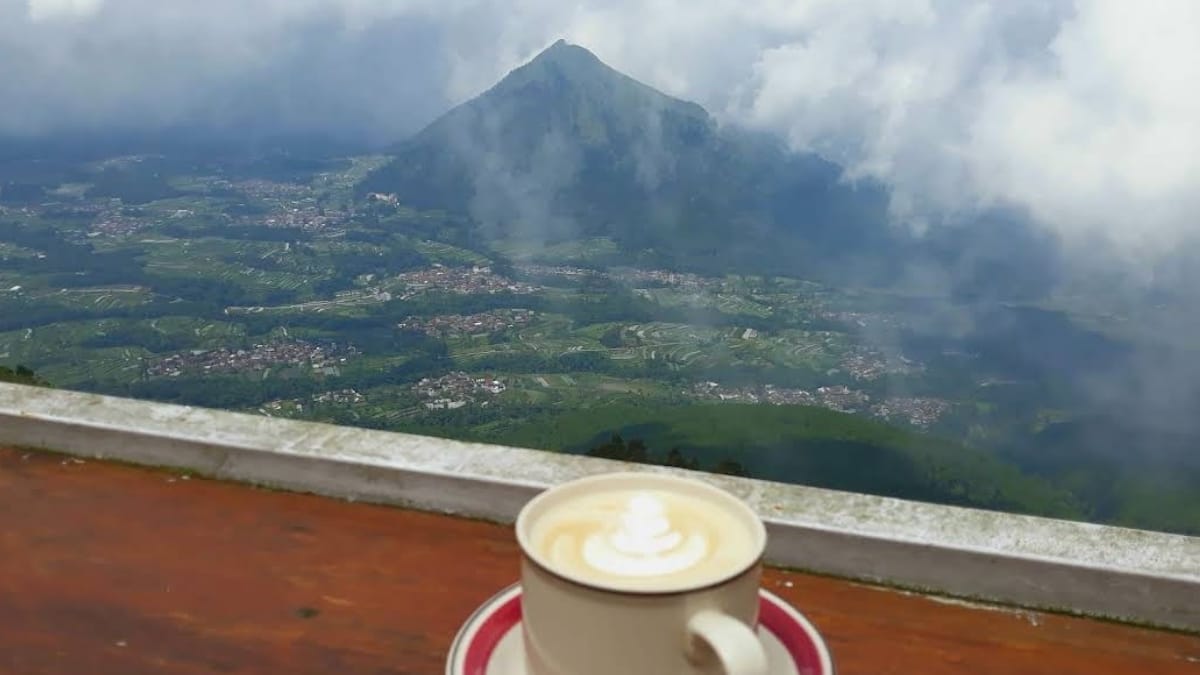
(566, 147)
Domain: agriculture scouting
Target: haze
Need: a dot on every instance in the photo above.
(1080, 113)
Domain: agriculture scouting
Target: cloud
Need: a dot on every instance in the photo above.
(43, 10)
(1081, 113)
(349, 68)
(1109, 139)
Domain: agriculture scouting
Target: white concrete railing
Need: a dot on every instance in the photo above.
(1094, 570)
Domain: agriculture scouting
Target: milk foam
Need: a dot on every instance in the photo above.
(644, 543)
(643, 539)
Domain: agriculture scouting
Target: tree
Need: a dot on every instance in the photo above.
(616, 448)
(503, 266)
(612, 337)
(636, 450)
(730, 467)
(21, 375)
(676, 458)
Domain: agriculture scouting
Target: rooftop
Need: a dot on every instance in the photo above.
(109, 567)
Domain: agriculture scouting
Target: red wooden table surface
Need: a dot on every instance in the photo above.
(111, 569)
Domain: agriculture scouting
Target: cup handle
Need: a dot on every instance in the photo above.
(735, 644)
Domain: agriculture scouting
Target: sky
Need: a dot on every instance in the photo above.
(1084, 114)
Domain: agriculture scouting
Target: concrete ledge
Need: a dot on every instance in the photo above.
(1110, 572)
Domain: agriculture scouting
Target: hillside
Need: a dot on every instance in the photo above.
(810, 446)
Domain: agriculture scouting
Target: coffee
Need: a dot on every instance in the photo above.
(640, 573)
(651, 539)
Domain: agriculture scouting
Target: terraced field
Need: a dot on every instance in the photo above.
(447, 254)
(796, 348)
(578, 251)
(684, 345)
(338, 186)
(346, 303)
(9, 250)
(210, 334)
(740, 304)
(103, 298)
(99, 299)
(679, 345)
(111, 349)
(467, 353)
(12, 282)
(726, 302)
(48, 347)
(218, 259)
(114, 363)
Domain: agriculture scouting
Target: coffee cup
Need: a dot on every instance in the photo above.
(640, 574)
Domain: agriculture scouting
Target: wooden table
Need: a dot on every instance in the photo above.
(107, 568)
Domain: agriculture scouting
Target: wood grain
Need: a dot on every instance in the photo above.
(111, 569)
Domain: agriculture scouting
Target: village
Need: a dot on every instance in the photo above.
(265, 189)
(862, 319)
(292, 206)
(684, 280)
(448, 325)
(295, 206)
(565, 271)
(307, 217)
(917, 411)
(114, 223)
(257, 358)
(462, 280)
(868, 364)
(339, 397)
(457, 389)
(839, 398)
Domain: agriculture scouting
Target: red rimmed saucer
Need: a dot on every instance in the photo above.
(489, 643)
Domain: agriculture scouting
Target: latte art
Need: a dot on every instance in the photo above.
(642, 538)
(644, 544)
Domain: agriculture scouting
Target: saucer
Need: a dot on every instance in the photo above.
(489, 643)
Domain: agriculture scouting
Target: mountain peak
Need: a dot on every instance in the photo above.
(563, 50)
(566, 74)
(565, 60)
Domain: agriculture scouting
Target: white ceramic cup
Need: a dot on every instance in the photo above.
(574, 625)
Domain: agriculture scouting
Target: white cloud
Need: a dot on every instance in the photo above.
(42, 10)
(1082, 112)
(1085, 113)
(1110, 140)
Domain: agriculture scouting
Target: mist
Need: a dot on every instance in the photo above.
(1081, 113)
(1077, 116)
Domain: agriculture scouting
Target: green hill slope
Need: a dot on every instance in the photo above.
(810, 446)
